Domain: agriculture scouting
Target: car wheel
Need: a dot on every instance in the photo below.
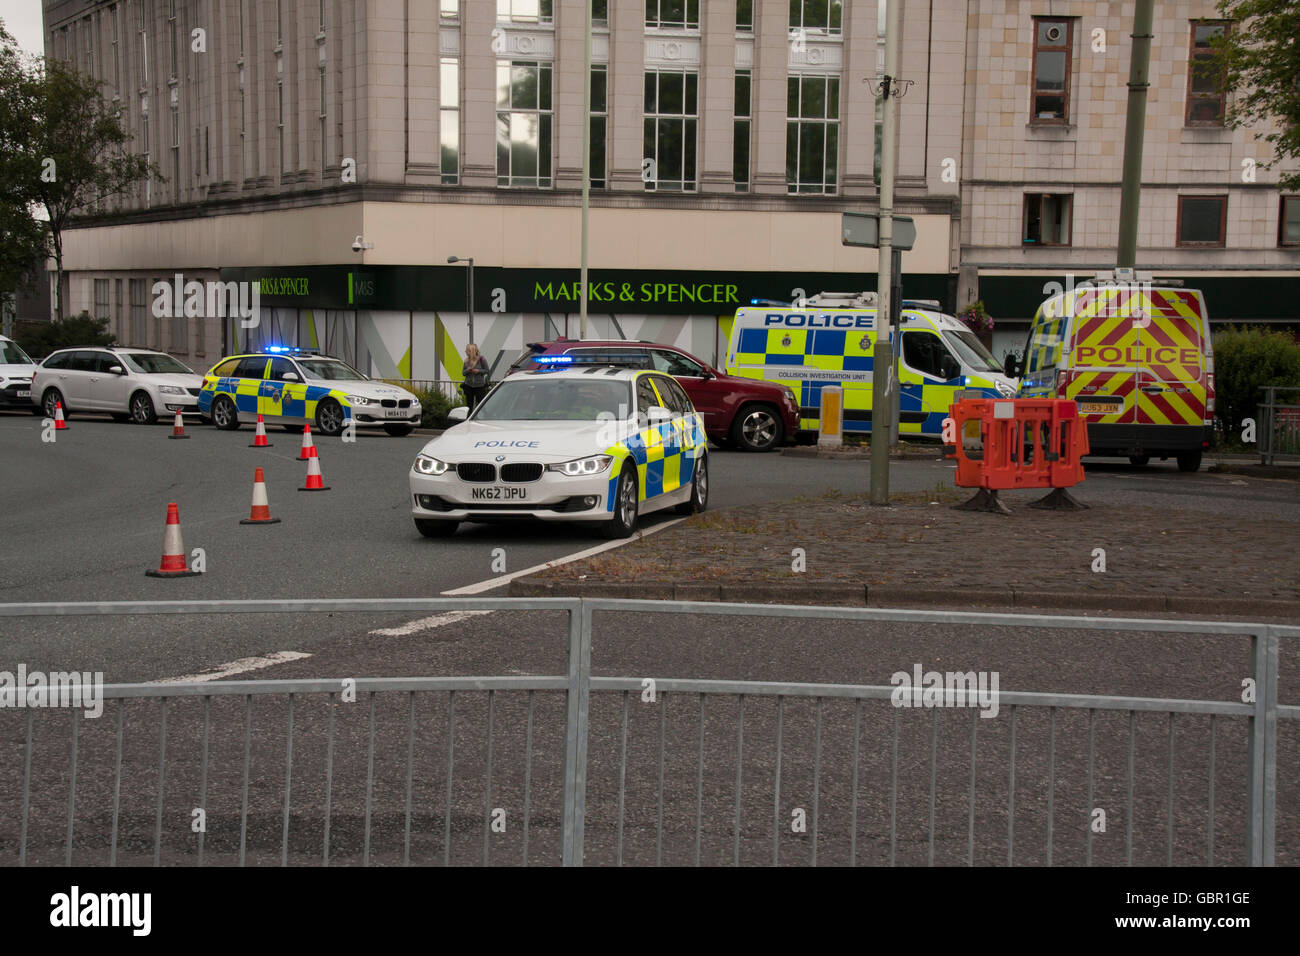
(1189, 460)
(757, 428)
(699, 499)
(397, 431)
(433, 528)
(224, 414)
(51, 398)
(623, 522)
(142, 411)
(1138, 461)
(329, 417)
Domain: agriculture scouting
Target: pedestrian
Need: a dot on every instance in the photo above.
(476, 376)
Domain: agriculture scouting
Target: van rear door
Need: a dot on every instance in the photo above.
(1171, 381)
(1105, 354)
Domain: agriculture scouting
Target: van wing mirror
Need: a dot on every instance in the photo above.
(949, 368)
(1011, 366)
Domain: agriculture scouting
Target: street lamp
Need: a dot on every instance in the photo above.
(470, 261)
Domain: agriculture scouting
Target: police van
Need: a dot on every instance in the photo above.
(831, 340)
(1136, 357)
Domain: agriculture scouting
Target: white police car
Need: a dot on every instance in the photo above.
(594, 443)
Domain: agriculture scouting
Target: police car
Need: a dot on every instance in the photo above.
(290, 387)
(572, 441)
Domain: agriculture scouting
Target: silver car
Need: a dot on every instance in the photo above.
(140, 385)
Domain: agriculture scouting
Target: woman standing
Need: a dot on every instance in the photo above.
(476, 376)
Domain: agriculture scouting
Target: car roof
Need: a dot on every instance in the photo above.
(588, 373)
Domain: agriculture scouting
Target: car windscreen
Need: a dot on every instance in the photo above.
(971, 351)
(152, 363)
(11, 354)
(331, 371)
(528, 399)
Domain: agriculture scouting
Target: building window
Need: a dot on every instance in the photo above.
(525, 11)
(117, 63)
(139, 326)
(812, 15)
(671, 118)
(812, 133)
(678, 14)
(156, 342)
(599, 124)
(600, 14)
(173, 27)
(279, 123)
(1053, 44)
(1047, 220)
(449, 120)
(1205, 97)
(176, 154)
(1288, 227)
(1202, 220)
(740, 133)
(744, 16)
(523, 123)
(119, 319)
(101, 299)
(449, 9)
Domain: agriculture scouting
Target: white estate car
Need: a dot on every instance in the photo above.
(15, 375)
(139, 384)
(599, 444)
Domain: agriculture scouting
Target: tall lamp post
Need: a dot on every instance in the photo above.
(470, 261)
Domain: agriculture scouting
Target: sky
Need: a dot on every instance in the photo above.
(22, 18)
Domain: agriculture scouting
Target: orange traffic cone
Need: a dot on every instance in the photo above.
(59, 422)
(261, 511)
(178, 426)
(173, 556)
(308, 447)
(259, 439)
(314, 480)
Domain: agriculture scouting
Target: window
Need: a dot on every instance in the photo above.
(679, 14)
(281, 365)
(226, 369)
(645, 394)
(525, 11)
(118, 317)
(139, 327)
(57, 360)
(740, 133)
(744, 16)
(279, 123)
(812, 133)
(523, 124)
(924, 352)
(675, 363)
(173, 27)
(1204, 77)
(671, 117)
(1288, 227)
(101, 299)
(449, 120)
(117, 63)
(250, 368)
(818, 15)
(156, 342)
(1053, 43)
(599, 124)
(449, 9)
(674, 399)
(600, 14)
(176, 154)
(1202, 220)
(1047, 220)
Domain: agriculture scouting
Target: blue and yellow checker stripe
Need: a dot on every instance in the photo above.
(664, 456)
(271, 398)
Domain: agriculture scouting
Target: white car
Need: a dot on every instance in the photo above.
(601, 444)
(15, 376)
(136, 384)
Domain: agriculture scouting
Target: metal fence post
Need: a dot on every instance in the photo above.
(575, 748)
(1261, 780)
(1264, 435)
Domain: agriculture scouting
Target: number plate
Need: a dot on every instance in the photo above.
(396, 413)
(498, 494)
(1101, 408)
(25, 393)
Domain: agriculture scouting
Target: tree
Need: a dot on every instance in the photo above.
(1260, 59)
(24, 239)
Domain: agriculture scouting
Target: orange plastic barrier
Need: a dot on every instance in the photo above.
(1023, 443)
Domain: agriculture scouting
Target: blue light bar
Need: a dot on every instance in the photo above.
(553, 359)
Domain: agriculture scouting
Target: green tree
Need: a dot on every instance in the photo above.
(1260, 59)
(24, 239)
(1244, 360)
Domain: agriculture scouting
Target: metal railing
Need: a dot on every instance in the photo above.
(449, 388)
(1279, 425)
(557, 772)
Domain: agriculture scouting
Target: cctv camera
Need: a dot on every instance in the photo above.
(357, 244)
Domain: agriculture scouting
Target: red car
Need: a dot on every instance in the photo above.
(752, 415)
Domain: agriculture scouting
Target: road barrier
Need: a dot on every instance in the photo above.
(1023, 443)
(559, 748)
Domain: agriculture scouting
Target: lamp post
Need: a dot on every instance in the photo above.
(470, 261)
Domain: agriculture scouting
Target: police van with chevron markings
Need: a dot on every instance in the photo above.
(595, 442)
(831, 339)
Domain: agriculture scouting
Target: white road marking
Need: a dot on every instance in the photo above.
(427, 623)
(235, 667)
(491, 583)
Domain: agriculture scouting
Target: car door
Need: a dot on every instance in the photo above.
(77, 375)
(927, 388)
(651, 439)
(110, 391)
(280, 400)
(707, 394)
(247, 385)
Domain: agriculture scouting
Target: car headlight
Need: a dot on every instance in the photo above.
(583, 466)
(171, 390)
(1005, 390)
(430, 466)
(358, 400)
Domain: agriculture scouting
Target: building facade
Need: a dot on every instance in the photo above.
(727, 138)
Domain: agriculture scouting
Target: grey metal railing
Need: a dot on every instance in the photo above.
(566, 765)
(1279, 424)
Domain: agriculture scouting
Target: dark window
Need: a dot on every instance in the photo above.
(57, 360)
(1288, 228)
(1202, 220)
(645, 394)
(924, 352)
(281, 365)
(1047, 220)
(1205, 77)
(1053, 45)
(673, 13)
(106, 360)
(675, 396)
(83, 362)
(812, 133)
(599, 122)
(250, 368)
(745, 16)
(740, 132)
(674, 363)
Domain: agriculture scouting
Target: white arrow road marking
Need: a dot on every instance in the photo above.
(235, 667)
(427, 623)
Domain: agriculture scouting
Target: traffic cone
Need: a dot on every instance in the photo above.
(314, 480)
(173, 556)
(308, 447)
(178, 426)
(59, 423)
(261, 511)
(259, 439)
